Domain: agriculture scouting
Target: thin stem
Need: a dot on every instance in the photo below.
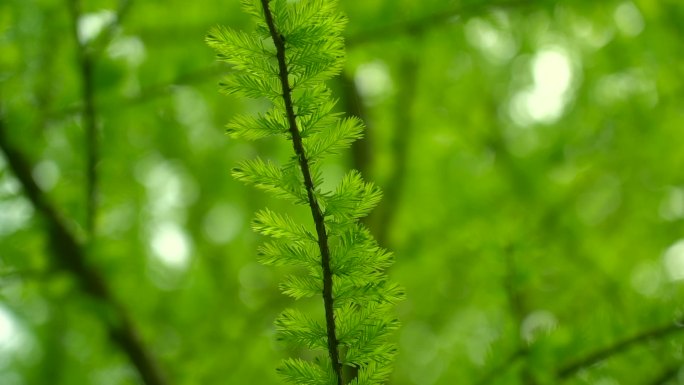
(667, 375)
(71, 256)
(502, 368)
(86, 66)
(518, 307)
(87, 57)
(316, 212)
(384, 217)
(361, 149)
(420, 25)
(617, 347)
(354, 40)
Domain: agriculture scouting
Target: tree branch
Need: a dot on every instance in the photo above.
(422, 24)
(360, 38)
(70, 254)
(86, 62)
(316, 212)
(616, 348)
(361, 149)
(502, 368)
(518, 306)
(383, 216)
(667, 375)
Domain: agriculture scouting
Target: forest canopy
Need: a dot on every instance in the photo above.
(529, 152)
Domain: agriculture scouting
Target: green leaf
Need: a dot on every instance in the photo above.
(276, 225)
(247, 53)
(269, 177)
(356, 254)
(261, 126)
(372, 373)
(314, 107)
(297, 329)
(253, 8)
(333, 138)
(288, 253)
(353, 198)
(309, 32)
(299, 287)
(251, 86)
(299, 372)
(374, 288)
(314, 63)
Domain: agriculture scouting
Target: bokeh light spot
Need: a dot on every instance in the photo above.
(171, 245)
(674, 261)
(628, 19)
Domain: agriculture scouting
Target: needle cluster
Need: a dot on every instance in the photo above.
(295, 47)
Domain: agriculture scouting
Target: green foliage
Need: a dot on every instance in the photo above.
(529, 154)
(308, 50)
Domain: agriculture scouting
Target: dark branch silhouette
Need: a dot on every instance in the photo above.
(87, 55)
(316, 212)
(502, 368)
(86, 64)
(383, 217)
(422, 24)
(617, 347)
(667, 375)
(360, 38)
(353, 104)
(70, 255)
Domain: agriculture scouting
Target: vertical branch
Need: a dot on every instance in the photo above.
(86, 64)
(383, 217)
(316, 212)
(361, 149)
(518, 309)
(68, 252)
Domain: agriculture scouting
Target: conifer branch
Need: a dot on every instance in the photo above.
(316, 212)
(71, 255)
(296, 47)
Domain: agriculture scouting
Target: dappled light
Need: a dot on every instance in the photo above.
(10, 335)
(545, 100)
(90, 25)
(373, 81)
(674, 261)
(471, 192)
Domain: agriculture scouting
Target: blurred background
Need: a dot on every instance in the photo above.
(531, 154)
